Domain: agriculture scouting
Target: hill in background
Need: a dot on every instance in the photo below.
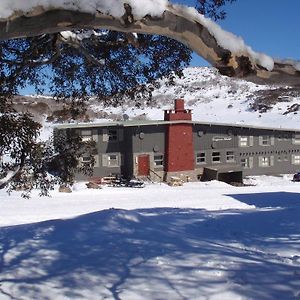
(211, 96)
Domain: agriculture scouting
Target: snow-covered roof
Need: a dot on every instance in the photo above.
(134, 123)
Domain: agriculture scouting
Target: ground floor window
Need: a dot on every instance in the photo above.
(265, 161)
(230, 156)
(158, 160)
(296, 159)
(87, 159)
(200, 158)
(111, 160)
(216, 157)
(247, 162)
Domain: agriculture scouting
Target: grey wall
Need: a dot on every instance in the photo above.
(150, 139)
(281, 151)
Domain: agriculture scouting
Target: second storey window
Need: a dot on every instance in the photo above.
(200, 158)
(216, 157)
(112, 135)
(266, 140)
(296, 139)
(245, 141)
(86, 135)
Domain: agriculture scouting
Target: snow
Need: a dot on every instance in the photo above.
(199, 241)
(114, 8)
(227, 39)
(212, 98)
(140, 8)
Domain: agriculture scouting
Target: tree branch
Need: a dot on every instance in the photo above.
(12, 175)
(180, 23)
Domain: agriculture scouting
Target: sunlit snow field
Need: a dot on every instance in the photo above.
(199, 241)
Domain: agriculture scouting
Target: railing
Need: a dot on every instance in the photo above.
(156, 174)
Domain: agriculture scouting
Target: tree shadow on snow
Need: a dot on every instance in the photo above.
(160, 253)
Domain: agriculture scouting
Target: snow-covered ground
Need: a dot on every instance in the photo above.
(199, 241)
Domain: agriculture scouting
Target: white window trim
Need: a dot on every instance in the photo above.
(266, 140)
(96, 158)
(296, 139)
(106, 160)
(88, 135)
(265, 161)
(296, 159)
(230, 157)
(245, 141)
(249, 162)
(204, 157)
(158, 160)
(107, 134)
(212, 157)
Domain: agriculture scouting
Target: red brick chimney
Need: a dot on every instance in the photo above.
(179, 151)
(179, 113)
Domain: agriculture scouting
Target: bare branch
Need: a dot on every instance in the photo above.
(76, 43)
(12, 175)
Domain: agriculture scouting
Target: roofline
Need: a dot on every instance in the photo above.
(161, 122)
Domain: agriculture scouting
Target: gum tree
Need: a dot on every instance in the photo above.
(104, 49)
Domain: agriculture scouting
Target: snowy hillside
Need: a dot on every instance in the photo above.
(211, 96)
(216, 98)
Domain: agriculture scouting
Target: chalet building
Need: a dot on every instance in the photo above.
(181, 147)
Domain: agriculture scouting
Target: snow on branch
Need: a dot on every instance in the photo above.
(222, 49)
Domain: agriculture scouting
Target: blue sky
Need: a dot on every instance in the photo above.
(269, 26)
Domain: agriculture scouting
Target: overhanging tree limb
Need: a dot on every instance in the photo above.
(176, 22)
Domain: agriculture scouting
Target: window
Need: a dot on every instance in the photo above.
(158, 160)
(87, 159)
(296, 159)
(265, 161)
(216, 157)
(111, 160)
(296, 139)
(266, 140)
(112, 135)
(230, 156)
(247, 162)
(245, 141)
(200, 158)
(86, 135)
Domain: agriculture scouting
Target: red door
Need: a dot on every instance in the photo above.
(143, 165)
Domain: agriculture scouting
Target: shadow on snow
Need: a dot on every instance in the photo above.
(160, 253)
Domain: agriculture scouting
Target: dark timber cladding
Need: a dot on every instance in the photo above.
(179, 151)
